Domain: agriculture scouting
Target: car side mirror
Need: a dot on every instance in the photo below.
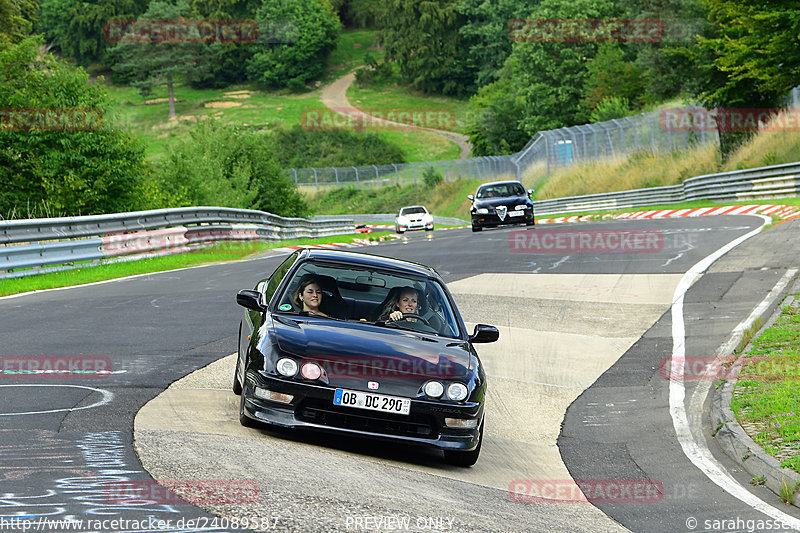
(469, 196)
(484, 333)
(250, 299)
(530, 191)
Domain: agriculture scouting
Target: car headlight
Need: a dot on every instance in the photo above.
(286, 367)
(433, 389)
(482, 211)
(310, 370)
(520, 207)
(457, 391)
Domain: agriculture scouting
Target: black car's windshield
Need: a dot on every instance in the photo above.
(361, 294)
(501, 190)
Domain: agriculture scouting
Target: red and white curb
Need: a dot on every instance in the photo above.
(337, 245)
(784, 212)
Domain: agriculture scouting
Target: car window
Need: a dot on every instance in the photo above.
(275, 279)
(360, 294)
(412, 211)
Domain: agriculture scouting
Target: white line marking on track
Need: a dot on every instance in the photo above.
(107, 397)
(701, 457)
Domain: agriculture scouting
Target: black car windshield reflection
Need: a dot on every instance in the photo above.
(357, 294)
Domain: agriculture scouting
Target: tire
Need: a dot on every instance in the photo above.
(428, 229)
(237, 385)
(530, 222)
(476, 228)
(245, 420)
(465, 458)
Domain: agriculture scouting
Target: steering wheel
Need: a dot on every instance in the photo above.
(406, 316)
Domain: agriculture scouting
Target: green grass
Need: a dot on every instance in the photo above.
(221, 252)
(449, 114)
(350, 51)
(767, 395)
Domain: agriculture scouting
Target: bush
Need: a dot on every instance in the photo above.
(431, 177)
(296, 147)
(228, 166)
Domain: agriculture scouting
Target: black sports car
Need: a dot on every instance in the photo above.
(328, 343)
(499, 203)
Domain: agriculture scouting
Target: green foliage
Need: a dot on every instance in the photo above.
(358, 13)
(307, 31)
(297, 147)
(485, 35)
(17, 18)
(374, 72)
(431, 177)
(73, 171)
(611, 107)
(495, 128)
(227, 166)
(611, 75)
(150, 64)
(422, 37)
(77, 27)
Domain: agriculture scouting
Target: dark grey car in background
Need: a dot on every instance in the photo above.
(500, 203)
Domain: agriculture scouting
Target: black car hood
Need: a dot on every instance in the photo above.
(375, 347)
(509, 201)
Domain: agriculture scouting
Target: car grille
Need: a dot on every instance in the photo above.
(320, 412)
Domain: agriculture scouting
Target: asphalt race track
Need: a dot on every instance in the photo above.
(577, 391)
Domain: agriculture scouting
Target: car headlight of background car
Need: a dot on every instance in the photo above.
(520, 207)
(482, 211)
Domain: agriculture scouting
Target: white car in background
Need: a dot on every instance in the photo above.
(412, 218)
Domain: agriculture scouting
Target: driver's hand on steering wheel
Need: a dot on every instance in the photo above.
(397, 315)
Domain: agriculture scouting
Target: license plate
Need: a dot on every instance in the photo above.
(516, 213)
(373, 402)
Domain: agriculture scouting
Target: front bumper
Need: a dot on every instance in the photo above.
(491, 219)
(312, 408)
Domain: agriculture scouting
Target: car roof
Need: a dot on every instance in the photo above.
(369, 260)
(498, 183)
(413, 206)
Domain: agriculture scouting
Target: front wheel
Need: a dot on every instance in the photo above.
(530, 222)
(476, 228)
(237, 385)
(465, 458)
(245, 420)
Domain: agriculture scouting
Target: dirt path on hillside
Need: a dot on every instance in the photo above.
(334, 97)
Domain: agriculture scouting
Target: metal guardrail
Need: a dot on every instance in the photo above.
(778, 181)
(41, 244)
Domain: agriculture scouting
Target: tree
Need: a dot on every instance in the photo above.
(17, 18)
(485, 34)
(611, 75)
(749, 59)
(422, 37)
(301, 34)
(78, 27)
(228, 166)
(57, 146)
(160, 60)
